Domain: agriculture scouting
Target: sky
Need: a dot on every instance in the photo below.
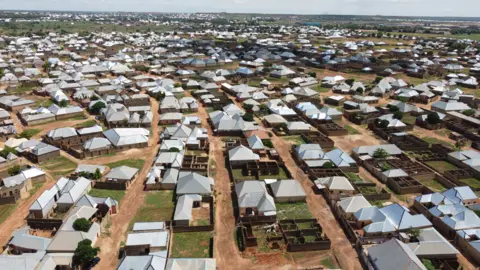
(458, 8)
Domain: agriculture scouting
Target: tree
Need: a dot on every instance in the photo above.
(267, 143)
(7, 150)
(174, 150)
(248, 107)
(248, 117)
(350, 81)
(47, 66)
(97, 175)
(383, 123)
(398, 115)
(380, 153)
(14, 170)
(433, 118)
(312, 74)
(460, 144)
(412, 232)
(393, 109)
(377, 79)
(64, 103)
(327, 165)
(97, 107)
(81, 224)
(84, 252)
(359, 90)
(469, 112)
(428, 264)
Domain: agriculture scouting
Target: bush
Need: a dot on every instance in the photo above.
(14, 170)
(63, 103)
(28, 133)
(97, 107)
(7, 150)
(174, 150)
(327, 165)
(359, 90)
(267, 143)
(380, 153)
(398, 115)
(312, 74)
(248, 117)
(350, 81)
(84, 252)
(469, 112)
(81, 224)
(377, 79)
(433, 118)
(383, 123)
(393, 109)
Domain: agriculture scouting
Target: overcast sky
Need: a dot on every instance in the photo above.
(464, 8)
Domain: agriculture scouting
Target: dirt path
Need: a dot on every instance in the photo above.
(17, 217)
(131, 202)
(341, 247)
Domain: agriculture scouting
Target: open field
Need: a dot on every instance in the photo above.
(158, 206)
(134, 163)
(297, 210)
(191, 245)
(57, 163)
(442, 166)
(104, 193)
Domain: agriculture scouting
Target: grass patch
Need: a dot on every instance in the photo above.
(297, 140)
(104, 193)
(59, 162)
(158, 206)
(378, 203)
(442, 166)
(353, 177)
(29, 133)
(5, 211)
(471, 182)
(431, 140)
(191, 245)
(77, 117)
(298, 210)
(434, 185)
(134, 163)
(44, 103)
(61, 173)
(409, 119)
(320, 89)
(21, 89)
(327, 262)
(86, 124)
(35, 188)
(237, 174)
(351, 130)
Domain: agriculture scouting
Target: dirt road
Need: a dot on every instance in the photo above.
(131, 202)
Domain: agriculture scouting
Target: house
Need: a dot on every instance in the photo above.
(394, 254)
(350, 205)
(72, 192)
(144, 243)
(104, 205)
(335, 186)
(193, 183)
(288, 191)
(156, 181)
(190, 264)
(254, 199)
(240, 155)
(37, 151)
(143, 262)
(183, 209)
(19, 185)
(127, 138)
(122, 174)
(67, 238)
(47, 201)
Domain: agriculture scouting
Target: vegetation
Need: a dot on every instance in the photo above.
(267, 143)
(59, 162)
(380, 153)
(433, 118)
(97, 107)
(351, 130)
(105, 193)
(469, 112)
(86, 124)
(134, 163)
(248, 117)
(81, 224)
(5, 211)
(398, 115)
(84, 252)
(7, 150)
(428, 264)
(297, 210)
(158, 206)
(29, 133)
(95, 176)
(191, 245)
(14, 170)
(327, 165)
(442, 166)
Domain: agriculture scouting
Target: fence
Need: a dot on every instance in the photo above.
(9, 199)
(44, 224)
(111, 185)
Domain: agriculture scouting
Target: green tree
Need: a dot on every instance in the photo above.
(174, 150)
(267, 143)
(327, 165)
(433, 118)
(393, 109)
(359, 90)
(460, 144)
(64, 103)
(380, 153)
(312, 74)
(7, 150)
(383, 123)
(248, 107)
(85, 252)
(81, 224)
(398, 115)
(428, 264)
(97, 107)
(248, 117)
(469, 112)
(97, 175)
(14, 170)
(415, 233)
(350, 81)
(377, 79)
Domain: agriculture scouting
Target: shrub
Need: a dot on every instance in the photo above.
(328, 165)
(174, 150)
(248, 117)
(380, 153)
(14, 170)
(267, 143)
(97, 107)
(433, 118)
(85, 252)
(81, 224)
(398, 115)
(469, 112)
